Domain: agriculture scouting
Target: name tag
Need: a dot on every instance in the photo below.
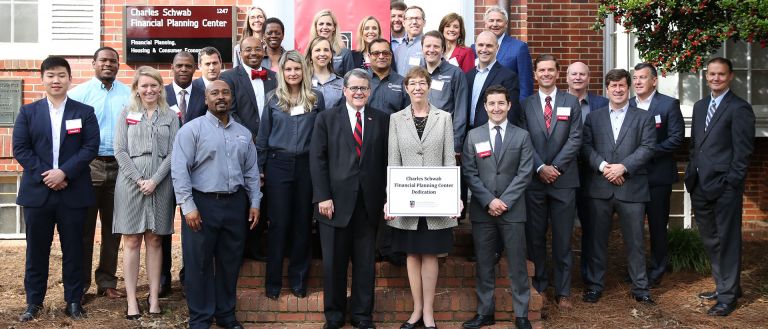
(437, 85)
(395, 87)
(658, 120)
(483, 149)
(453, 61)
(176, 109)
(414, 61)
(314, 82)
(297, 110)
(133, 118)
(73, 126)
(563, 113)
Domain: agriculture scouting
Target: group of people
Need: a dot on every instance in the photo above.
(315, 132)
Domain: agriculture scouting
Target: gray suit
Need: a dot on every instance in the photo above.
(554, 202)
(504, 176)
(633, 148)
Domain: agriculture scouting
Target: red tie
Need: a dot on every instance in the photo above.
(358, 133)
(548, 112)
(262, 74)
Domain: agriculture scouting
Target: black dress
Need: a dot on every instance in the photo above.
(422, 240)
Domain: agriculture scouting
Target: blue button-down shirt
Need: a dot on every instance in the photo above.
(107, 105)
(211, 157)
(408, 55)
(477, 87)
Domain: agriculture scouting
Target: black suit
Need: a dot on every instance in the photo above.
(662, 173)
(499, 75)
(357, 188)
(45, 208)
(195, 107)
(633, 148)
(553, 203)
(715, 177)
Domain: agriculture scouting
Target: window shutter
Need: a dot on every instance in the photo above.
(75, 26)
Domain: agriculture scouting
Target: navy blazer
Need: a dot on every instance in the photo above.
(596, 102)
(195, 108)
(670, 131)
(515, 56)
(499, 75)
(32, 148)
(245, 109)
(719, 154)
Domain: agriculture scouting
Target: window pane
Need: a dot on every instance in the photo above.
(8, 220)
(689, 88)
(759, 57)
(25, 23)
(737, 53)
(5, 23)
(759, 90)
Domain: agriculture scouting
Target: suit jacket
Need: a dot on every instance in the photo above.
(33, 149)
(499, 75)
(465, 57)
(245, 109)
(504, 176)
(515, 56)
(633, 149)
(338, 174)
(196, 106)
(596, 101)
(199, 83)
(560, 146)
(720, 153)
(434, 148)
(670, 131)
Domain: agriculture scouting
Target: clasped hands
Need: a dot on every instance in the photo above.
(55, 179)
(548, 174)
(614, 173)
(146, 186)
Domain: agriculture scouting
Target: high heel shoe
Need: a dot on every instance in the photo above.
(133, 316)
(149, 308)
(408, 325)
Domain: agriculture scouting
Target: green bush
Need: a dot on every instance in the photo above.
(686, 251)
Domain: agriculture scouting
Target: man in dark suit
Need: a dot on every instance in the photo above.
(578, 83)
(513, 53)
(350, 189)
(188, 101)
(209, 63)
(662, 169)
(553, 118)
(55, 139)
(250, 84)
(618, 143)
(498, 160)
(722, 137)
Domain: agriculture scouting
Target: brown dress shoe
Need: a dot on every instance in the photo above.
(111, 293)
(564, 302)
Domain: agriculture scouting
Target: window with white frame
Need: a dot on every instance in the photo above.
(34, 29)
(11, 217)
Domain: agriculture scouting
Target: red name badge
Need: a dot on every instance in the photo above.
(483, 149)
(73, 131)
(563, 113)
(73, 126)
(657, 118)
(133, 118)
(484, 154)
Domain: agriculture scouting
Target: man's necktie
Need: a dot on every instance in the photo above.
(710, 113)
(260, 74)
(497, 141)
(358, 133)
(548, 112)
(183, 104)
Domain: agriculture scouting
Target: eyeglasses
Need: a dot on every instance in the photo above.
(413, 18)
(422, 84)
(357, 89)
(380, 53)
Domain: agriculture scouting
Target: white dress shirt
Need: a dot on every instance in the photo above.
(617, 119)
(353, 118)
(57, 116)
(187, 97)
(645, 103)
(492, 130)
(258, 88)
(543, 100)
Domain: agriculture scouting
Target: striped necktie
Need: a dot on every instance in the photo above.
(710, 113)
(358, 133)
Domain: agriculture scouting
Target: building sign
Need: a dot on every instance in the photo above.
(10, 101)
(154, 34)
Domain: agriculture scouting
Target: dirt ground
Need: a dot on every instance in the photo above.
(678, 306)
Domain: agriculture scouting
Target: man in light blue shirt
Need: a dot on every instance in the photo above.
(108, 97)
(409, 54)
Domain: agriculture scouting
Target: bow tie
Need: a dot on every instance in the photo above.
(262, 74)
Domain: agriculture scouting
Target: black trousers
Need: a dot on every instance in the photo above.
(290, 211)
(719, 223)
(40, 223)
(582, 211)
(356, 242)
(658, 217)
(213, 255)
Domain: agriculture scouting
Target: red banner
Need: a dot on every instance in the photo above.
(348, 13)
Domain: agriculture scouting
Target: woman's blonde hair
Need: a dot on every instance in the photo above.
(135, 104)
(307, 98)
(335, 39)
(308, 55)
(362, 46)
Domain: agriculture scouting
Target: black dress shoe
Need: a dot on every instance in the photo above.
(257, 256)
(273, 295)
(333, 325)
(708, 295)
(591, 296)
(137, 315)
(408, 325)
(75, 311)
(363, 324)
(479, 321)
(299, 292)
(522, 323)
(233, 325)
(30, 313)
(647, 300)
(722, 309)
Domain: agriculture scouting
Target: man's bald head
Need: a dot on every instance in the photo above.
(218, 97)
(488, 36)
(578, 77)
(486, 46)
